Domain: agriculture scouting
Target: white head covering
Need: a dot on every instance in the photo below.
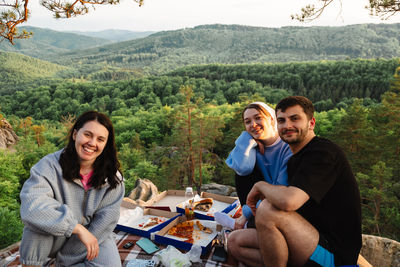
(270, 110)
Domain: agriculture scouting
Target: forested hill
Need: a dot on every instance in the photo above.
(19, 70)
(45, 42)
(164, 51)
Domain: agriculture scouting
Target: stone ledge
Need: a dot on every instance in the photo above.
(380, 251)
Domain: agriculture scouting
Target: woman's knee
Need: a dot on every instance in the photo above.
(108, 254)
(35, 248)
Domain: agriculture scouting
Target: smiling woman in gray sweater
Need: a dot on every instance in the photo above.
(70, 204)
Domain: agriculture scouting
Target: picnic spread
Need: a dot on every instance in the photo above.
(148, 235)
(11, 258)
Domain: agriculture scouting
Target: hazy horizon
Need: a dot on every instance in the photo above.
(154, 31)
(163, 15)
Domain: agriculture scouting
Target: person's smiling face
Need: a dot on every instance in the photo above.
(293, 125)
(258, 125)
(90, 141)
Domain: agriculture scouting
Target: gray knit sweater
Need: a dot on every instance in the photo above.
(50, 204)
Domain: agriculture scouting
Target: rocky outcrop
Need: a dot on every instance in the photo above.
(7, 136)
(144, 190)
(380, 251)
(225, 190)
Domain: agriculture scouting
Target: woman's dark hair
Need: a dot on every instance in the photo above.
(106, 165)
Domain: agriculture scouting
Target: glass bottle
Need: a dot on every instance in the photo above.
(189, 197)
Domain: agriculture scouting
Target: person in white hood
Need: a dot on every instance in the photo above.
(259, 155)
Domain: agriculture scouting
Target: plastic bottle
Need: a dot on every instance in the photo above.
(189, 197)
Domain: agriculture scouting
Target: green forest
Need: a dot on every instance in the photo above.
(154, 132)
(177, 128)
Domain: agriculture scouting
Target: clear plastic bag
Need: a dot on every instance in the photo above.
(171, 257)
(127, 216)
(194, 253)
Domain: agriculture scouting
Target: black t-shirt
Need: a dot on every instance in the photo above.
(322, 171)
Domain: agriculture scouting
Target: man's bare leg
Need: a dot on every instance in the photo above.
(284, 236)
(243, 246)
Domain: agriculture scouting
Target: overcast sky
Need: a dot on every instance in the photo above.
(158, 15)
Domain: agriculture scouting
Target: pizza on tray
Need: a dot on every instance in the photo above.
(187, 231)
(152, 221)
(203, 228)
(203, 205)
(183, 230)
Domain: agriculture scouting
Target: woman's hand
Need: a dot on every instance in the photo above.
(240, 222)
(89, 240)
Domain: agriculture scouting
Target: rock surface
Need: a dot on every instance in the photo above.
(225, 190)
(380, 251)
(7, 136)
(144, 190)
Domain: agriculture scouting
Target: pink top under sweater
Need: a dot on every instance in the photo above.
(86, 179)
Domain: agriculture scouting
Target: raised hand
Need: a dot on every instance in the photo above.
(240, 222)
(254, 195)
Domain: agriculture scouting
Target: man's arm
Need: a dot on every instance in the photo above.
(286, 198)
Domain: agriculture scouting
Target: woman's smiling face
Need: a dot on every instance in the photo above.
(258, 125)
(90, 141)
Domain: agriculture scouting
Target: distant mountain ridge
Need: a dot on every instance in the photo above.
(115, 35)
(167, 50)
(162, 52)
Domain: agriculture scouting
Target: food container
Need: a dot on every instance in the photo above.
(220, 204)
(199, 237)
(142, 222)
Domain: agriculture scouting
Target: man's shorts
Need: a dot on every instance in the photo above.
(322, 256)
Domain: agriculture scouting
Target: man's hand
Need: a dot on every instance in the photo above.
(240, 222)
(254, 195)
(89, 240)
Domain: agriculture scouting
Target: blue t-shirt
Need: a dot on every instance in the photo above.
(272, 164)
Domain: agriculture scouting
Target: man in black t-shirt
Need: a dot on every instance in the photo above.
(316, 220)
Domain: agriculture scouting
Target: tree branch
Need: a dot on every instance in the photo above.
(384, 8)
(310, 12)
(15, 12)
(13, 15)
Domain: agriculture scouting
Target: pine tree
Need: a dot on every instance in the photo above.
(377, 200)
(353, 134)
(195, 132)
